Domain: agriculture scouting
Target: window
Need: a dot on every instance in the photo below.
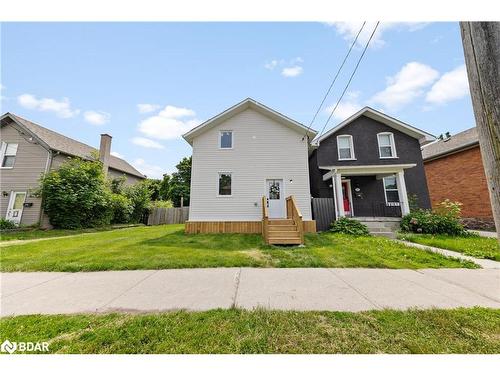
(8, 154)
(345, 147)
(386, 147)
(225, 184)
(391, 191)
(226, 139)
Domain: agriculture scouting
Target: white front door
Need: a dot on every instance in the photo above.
(275, 199)
(15, 209)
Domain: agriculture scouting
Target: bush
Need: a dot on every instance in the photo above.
(122, 209)
(349, 226)
(76, 195)
(445, 219)
(7, 224)
(160, 204)
(139, 196)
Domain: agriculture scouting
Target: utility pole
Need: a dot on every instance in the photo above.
(481, 42)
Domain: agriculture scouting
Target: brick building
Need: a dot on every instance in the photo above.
(454, 170)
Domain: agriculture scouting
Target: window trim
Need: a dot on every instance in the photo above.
(218, 184)
(351, 147)
(387, 203)
(220, 139)
(3, 154)
(393, 146)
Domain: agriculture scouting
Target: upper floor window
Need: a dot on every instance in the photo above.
(8, 154)
(226, 139)
(225, 181)
(386, 146)
(345, 147)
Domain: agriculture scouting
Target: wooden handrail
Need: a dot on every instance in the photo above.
(265, 220)
(293, 212)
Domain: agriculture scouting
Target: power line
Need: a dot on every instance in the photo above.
(350, 79)
(335, 78)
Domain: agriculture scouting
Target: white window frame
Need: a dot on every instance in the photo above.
(393, 146)
(351, 146)
(387, 203)
(218, 184)
(220, 140)
(3, 154)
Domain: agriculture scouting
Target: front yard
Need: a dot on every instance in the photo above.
(463, 330)
(167, 246)
(478, 247)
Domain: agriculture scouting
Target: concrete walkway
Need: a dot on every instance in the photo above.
(484, 233)
(334, 289)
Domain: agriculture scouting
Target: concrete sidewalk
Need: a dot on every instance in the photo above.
(334, 289)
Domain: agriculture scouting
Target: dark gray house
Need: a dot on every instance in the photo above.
(369, 165)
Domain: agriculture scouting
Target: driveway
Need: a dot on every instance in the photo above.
(335, 289)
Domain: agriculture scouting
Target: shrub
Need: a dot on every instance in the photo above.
(349, 226)
(160, 204)
(122, 209)
(139, 196)
(76, 195)
(6, 224)
(445, 219)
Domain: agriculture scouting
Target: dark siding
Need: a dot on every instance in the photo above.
(364, 131)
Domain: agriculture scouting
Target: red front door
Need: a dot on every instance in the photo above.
(345, 196)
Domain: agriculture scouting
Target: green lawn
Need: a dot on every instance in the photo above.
(474, 330)
(167, 246)
(31, 234)
(479, 247)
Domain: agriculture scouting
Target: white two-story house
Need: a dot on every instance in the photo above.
(250, 174)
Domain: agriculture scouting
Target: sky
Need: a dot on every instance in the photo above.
(148, 83)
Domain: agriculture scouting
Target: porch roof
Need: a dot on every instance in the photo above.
(364, 170)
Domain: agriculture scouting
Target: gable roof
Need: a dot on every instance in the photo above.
(240, 107)
(392, 122)
(457, 142)
(58, 142)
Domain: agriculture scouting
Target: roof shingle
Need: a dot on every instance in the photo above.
(455, 143)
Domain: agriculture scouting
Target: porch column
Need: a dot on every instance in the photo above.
(337, 184)
(403, 196)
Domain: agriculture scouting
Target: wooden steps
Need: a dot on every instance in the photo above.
(283, 232)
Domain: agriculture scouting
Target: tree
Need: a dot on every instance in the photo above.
(164, 187)
(153, 185)
(180, 183)
(481, 42)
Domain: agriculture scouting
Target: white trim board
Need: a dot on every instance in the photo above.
(360, 170)
(421, 135)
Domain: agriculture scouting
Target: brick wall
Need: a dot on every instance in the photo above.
(460, 177)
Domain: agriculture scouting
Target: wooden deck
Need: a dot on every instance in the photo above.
(193, 227)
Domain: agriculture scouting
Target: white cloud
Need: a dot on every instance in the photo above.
(152, 171)
(349, 30)
(145, 142)
(271, 64)
(293, 71)
(96, 117)
(170, 123)
(346, 108)
(61, 108)
(408, 84)
(147, 108)
(451, 86)
(116, 154)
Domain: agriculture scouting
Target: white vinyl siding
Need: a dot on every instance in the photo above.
(386, 146)
(266, 150)
(345, 147)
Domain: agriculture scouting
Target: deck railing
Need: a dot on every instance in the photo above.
(265, 220)
(293, 212)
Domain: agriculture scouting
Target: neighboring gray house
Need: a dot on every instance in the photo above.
(369, 164)
(28, 150)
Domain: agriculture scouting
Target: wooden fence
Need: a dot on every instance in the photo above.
(174, 215)
(323, 212)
